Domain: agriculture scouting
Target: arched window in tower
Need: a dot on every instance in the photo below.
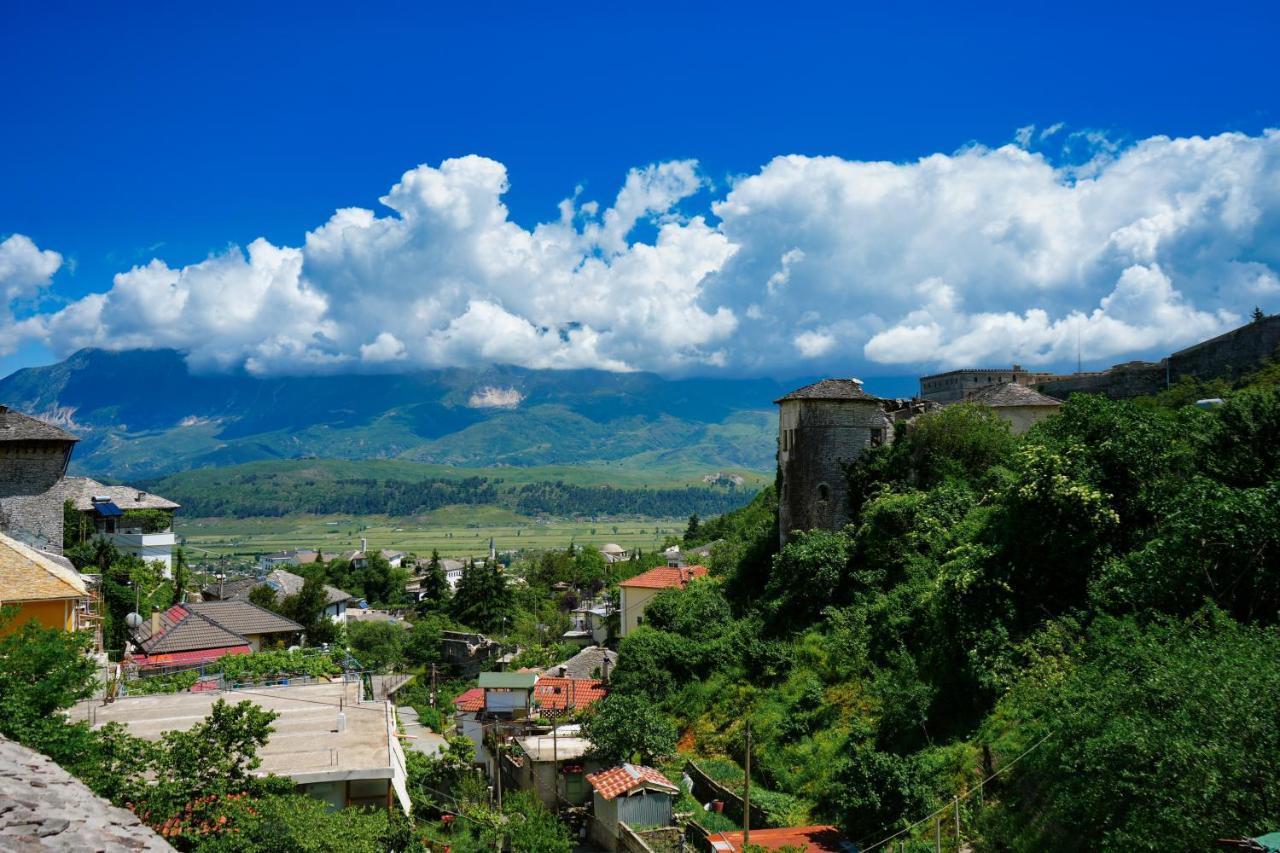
(824, 492)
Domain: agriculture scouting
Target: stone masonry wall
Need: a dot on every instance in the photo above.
(32, 491)
(1228, 356)
(825, 436)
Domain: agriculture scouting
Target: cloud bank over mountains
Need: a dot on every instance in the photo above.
(983, 256)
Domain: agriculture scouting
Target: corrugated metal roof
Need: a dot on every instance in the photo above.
(508, 680)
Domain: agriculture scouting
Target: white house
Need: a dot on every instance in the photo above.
(135, 521)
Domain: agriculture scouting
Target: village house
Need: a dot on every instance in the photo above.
(196, 633)
(134, 521)
(1017, 405)
(467, 653)
(630, 794)
(34, 456)
(554, 765)
(284, 584)
(637, 592)
(494, 712)
(589, 623)
(335, 745)
(43, 588)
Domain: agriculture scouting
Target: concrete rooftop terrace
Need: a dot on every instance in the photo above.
(305, 744)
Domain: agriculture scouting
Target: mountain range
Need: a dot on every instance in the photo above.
(143, 413)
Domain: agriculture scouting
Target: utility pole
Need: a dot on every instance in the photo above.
(433, 685)
(555, 764)
(746, 793)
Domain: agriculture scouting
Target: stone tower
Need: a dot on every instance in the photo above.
(33, 460)
(822, 428)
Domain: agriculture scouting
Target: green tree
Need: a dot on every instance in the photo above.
(435, 585)
(181, 576)
(307, 606)
(264, 596)
(42, 673)
(691, 530)
(1258, 314)
(628, 728)
(378, 645)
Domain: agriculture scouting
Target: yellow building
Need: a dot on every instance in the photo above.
(41, 588)
(636, 593)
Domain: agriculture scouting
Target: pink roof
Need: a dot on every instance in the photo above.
(470, 700)
(627, 778)
(666, 577)
(558, 694)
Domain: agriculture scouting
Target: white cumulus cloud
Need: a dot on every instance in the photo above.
(981, 256)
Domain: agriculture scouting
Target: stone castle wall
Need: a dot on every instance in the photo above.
(1122, 382)
(818, 438)
(32, 491)
(1228, 356)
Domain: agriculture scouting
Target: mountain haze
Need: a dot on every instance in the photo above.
(143, 413)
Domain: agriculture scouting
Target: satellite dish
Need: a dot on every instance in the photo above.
(133, 620)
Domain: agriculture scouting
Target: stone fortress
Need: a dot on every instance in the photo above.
(824, 427)
(33, 464)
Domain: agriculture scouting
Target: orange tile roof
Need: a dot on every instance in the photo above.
(627, 778)
(811, 839)
(666, 577)
(470, 700)
(28, 575)
(559, 694)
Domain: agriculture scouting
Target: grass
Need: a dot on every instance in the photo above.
(456, 531)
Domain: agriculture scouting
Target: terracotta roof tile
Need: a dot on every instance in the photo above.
(627, 778)
(666, 577)
(559, 694)
(470, 700)
(28, 575)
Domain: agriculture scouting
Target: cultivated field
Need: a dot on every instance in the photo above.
(458, 531)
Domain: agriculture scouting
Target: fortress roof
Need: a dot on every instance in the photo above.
(15, 426)
(831, 389)
(1010, 394)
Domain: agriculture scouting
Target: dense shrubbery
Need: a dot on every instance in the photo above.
(1111, 579)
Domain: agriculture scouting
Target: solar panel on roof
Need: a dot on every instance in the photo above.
(107, 509)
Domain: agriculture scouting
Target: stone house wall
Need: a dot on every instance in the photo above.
(32, 490)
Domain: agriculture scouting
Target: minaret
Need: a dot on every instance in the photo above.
(493, 551)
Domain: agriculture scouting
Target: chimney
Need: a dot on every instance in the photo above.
(342, 722)
(364, 544)
(155, 622)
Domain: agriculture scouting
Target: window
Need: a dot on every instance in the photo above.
(877, 436)
(824, 492)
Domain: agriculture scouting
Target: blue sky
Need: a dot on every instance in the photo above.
(166, 131)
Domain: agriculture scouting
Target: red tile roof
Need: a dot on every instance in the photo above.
(627, 778)
(559, 694)
(666, 577)
(470, 700)
(811, 839)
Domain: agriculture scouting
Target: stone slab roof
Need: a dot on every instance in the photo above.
(1010, 394)
(831, 389)
(227, 590)
(30, 575)
(83, 490)
(43, 807)
(244, 617)
(588, 663)
(182, 630)
(287, 583)
(15, 426)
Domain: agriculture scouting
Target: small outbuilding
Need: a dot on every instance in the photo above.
(1020, 406)
(632, 794)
